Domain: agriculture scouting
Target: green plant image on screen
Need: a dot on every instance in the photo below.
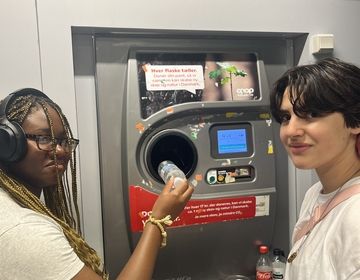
(225, 74)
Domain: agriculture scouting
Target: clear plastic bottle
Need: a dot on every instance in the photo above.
(168, 169)
(263, 265)
(278, 264)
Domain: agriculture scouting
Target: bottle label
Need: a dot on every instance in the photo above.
(278, 273)
(263, 275)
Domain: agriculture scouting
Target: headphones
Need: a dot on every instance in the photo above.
(13, 144)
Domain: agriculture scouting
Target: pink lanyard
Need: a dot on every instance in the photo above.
(322, 210)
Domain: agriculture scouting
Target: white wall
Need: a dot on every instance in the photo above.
(36, 46)
(19, 46)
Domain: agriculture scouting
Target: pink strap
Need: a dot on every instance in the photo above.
(319, 214)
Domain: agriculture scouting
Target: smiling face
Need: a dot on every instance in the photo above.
(316, 142)
(38, 168)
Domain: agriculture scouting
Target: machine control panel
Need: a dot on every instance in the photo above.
(231, 174)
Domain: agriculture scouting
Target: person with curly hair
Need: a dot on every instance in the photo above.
(40, 235)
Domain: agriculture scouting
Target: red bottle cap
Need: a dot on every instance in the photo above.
(263, 249)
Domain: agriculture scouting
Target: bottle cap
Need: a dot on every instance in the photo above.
(278, 252)
(263, 249)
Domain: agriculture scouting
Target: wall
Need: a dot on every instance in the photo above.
(36, 47)
(19, 50)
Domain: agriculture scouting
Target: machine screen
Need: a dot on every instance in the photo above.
(231, 140)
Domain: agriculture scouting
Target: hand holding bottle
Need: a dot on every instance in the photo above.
(168, 169)
(172, 201)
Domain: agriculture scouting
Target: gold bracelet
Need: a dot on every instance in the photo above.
(159, 223)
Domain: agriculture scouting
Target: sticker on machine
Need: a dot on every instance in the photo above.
(174, 77)
(262, 205)
(197, 211)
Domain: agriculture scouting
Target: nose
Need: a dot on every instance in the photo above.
(60, 154)
(59, 150)
(295, 127)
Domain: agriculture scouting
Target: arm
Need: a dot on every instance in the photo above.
(142, 262)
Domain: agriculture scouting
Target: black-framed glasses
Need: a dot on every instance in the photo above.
(45, 142)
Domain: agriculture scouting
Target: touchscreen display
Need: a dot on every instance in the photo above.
(232, 141)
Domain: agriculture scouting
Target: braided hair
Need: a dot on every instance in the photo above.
(61, 201)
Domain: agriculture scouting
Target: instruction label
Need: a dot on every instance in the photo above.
(198, 211)
(174, 77)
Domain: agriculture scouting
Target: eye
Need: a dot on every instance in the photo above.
(284, 118)
(65, 142)
(44, 139)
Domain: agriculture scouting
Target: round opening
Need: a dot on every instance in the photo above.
(174, 146)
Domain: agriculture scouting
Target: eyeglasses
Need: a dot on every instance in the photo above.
(45, 142)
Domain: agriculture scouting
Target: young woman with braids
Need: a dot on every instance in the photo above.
(42, 240)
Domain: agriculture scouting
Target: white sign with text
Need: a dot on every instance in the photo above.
(174, 77)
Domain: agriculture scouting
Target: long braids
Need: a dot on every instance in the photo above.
(60, 201)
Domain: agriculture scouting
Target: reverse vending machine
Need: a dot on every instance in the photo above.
(207, 110)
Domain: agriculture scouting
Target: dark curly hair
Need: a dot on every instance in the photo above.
(328, 86)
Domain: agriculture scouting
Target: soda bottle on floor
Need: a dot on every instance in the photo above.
(263, 265)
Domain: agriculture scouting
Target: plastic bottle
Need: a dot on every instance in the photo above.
(278, 264)
(263, 265)
(168, 169)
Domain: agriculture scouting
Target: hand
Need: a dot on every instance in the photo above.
(172, 201)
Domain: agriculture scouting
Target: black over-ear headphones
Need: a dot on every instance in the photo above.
(13, 144)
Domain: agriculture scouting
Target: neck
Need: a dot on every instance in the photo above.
(19, 183)
(35, 191)
(30, 187)
(333, 180)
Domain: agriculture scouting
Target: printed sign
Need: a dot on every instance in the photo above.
(168, 79)
(198, 211)
(174, 77)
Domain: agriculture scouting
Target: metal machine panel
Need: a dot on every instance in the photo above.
(229, 216)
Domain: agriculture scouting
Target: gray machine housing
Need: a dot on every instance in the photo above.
(215, 249)
(197, 251)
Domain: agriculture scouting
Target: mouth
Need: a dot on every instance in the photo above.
(60, 165)
(298, 148)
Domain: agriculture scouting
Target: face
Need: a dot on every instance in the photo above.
(316, 142)
(38, 168)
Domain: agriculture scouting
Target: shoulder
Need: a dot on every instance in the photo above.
(346, 235)
(13, 215)
(313, 191)
(350, 211)
(310, 198)
(34, 246)
(11, 212)
(345, 220)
